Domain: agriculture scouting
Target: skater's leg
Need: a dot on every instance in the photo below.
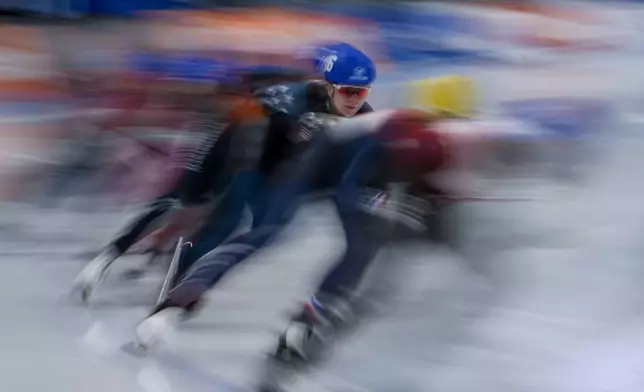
(94, 271)
(332, 305)
(362, 244)
(274, 205)
(361, 228)
(332, 308)
(155, 211)
(209, 269)
(223, 221)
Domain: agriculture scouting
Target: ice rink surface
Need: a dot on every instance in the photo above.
(547, 298)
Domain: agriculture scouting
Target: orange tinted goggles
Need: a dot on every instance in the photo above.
(350, 91)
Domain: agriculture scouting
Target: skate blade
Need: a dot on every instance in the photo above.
(172, 271)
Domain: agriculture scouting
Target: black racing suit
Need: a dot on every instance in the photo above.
(199, 181)
(290, 110)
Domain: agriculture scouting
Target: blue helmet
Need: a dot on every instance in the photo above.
(341, 63)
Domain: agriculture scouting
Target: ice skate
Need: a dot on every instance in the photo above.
(93, 273)
(158, 328)
(304, 341)
(310, 330)
(288, 359)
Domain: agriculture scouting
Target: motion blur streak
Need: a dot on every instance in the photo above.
(516, 267)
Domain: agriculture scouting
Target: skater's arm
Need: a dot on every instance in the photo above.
(231, 145)
(248, 135)
(205, 163)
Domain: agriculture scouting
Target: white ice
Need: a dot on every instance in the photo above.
(548, 299)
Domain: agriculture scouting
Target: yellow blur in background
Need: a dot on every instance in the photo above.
(455, 95)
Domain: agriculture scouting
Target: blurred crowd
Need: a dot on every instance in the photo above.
(95, 108)
(98, 112)
(106, 113)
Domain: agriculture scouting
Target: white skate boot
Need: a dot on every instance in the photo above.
(93, 273)
(303, 342)
(158, 328)
(313, 328)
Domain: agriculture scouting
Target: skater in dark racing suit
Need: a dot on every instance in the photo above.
(292, 110)
(424, 153)
(204, 179)
(254, 150)
(393, 146)
(288, 108)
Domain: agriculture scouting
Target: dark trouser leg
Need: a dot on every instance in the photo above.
(332, 308)
(224, 220)
(209, 269)
(362, 245)
(153, 213)
(363, 239)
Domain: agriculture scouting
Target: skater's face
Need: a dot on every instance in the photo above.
(348, 99)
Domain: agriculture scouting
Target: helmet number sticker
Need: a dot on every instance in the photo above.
(327, 63)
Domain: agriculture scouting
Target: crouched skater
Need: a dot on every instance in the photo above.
(225, 171)
(202, 158)
(292, 112)
(288, 109)
(347, 156)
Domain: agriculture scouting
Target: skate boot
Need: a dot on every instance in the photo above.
(311, 330)
(159, 326)
(303, 342)
(93, 273)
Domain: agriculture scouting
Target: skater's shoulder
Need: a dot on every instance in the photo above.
(245, 108)
(291, 99)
